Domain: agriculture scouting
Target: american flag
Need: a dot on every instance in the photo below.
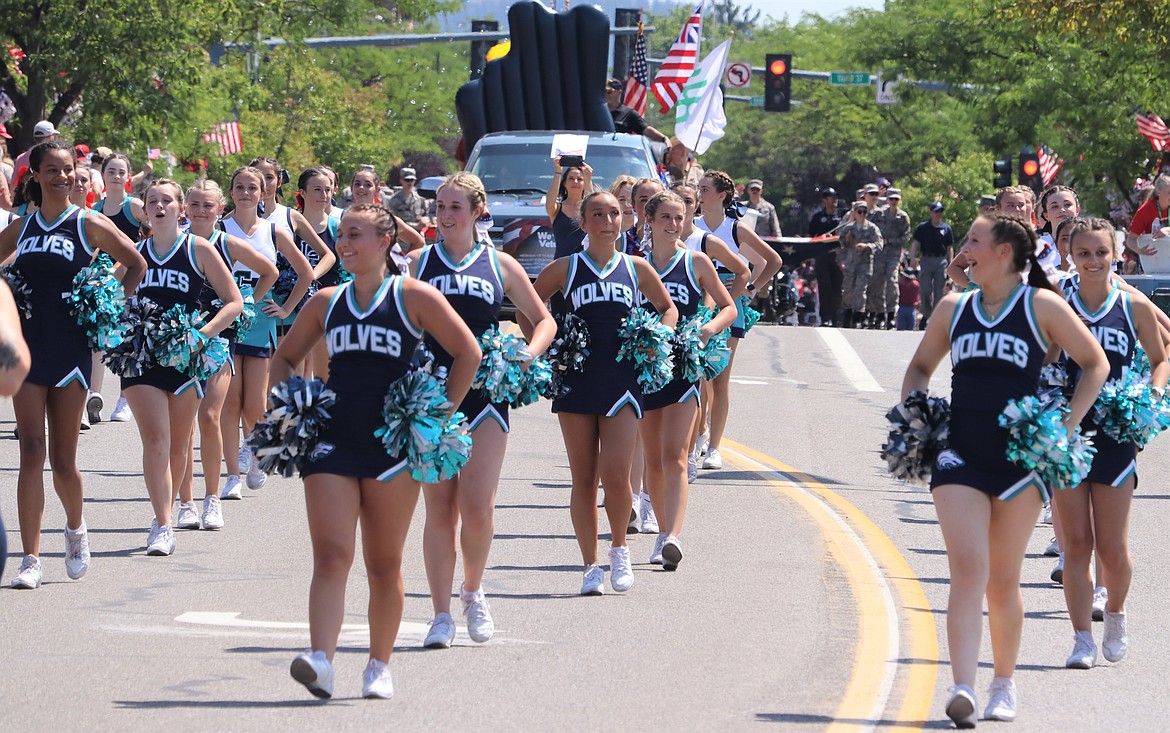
(227, 136)
(679, 64)
(635, 97)
(1151, 127)
(1049, 163)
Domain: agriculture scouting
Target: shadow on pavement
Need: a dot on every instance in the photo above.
(828, 720)
(217, 704)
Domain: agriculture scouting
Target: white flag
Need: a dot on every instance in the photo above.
(699, 118)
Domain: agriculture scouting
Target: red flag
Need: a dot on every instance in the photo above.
(635, 97)
(679, 63)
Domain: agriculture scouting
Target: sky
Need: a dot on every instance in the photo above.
(795, 8)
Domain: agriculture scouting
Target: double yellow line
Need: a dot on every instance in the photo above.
(876, 571)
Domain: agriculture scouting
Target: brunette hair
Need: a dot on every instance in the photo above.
(117, 156)
(660, 198)
(384, 224)
(35, 158)
(166, 182)
(1019, 234)
(724, 184)
(1080, 225)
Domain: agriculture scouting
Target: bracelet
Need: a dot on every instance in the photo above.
(751, 287)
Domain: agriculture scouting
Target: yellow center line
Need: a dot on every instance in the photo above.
(870, 559)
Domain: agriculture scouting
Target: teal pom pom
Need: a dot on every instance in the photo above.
(750, 314)
(1038, 441)
(567, 353)
(208, 357)
(247, 318)
(648, 344)
(538, 379)
(689, 349)
(134, 355)
(1127, 411)
(21, 291)
(417, 427)
(344, 274)
(98, 300)
(1141, 363)
(290, 430)
(178, 337)
(501, 371)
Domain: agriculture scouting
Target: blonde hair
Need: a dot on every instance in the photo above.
(620, 181)
(470, 184)
(206, 185)
(159, 182)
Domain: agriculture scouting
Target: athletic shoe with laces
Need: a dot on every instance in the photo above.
(1084, 653)
(692, 468)
(648, 522)
(1046, 517)
(122, 412)
(1115, 643)
(442, 632)
(634, 524)
(1100, 598)
(84, 422)
(1057, 574)
(245, 459)
(212, 513)
(161, 540)
(621, 575)
(30, 573)
(231, 488)
(256, 477)
(702, 443)
(480, 626)
(314, 671)
(76, 551)
(593, 583)
(656, 555)
(376, 682)
(961, 706)
(713, 459)
(671, 553)
(188, 517)
(1053, 549)
(93, 407)
(1002, 700)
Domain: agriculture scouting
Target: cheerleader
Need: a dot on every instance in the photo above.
(165, 400)
(50, 248)
(349, 477)
(474, 278)
(716, 194)
(986, 505)
(670, 412)
(1096, 513)
(14, 364)
(248, 392)
(205, 203)
(315, 198)
(366, 187)
(600, 412)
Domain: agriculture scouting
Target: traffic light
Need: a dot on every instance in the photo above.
(778, 82)
(1030, 170)
(1001, 173)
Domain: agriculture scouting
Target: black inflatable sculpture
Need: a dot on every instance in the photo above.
(553, 78)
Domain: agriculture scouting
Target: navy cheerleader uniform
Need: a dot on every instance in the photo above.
(329, 237)
(1112, 326)
(123, 218)
(260, 340)
(208, 296)
(993, 361)
(475, 289)
(602, 298)
(728, 231)
(368, 349)
(49, 256)
(680, 281)
(171, 278)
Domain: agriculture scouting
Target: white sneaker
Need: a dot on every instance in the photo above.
(314, 671)
(635, 510)
(188, 518)
(1084, 653)
(1100, 598)
(161, 540)
(1046, 517)
(671, 553)
(621, 576)
(376, 682)
(256, 477)
(121, 411)
(30, 573)
(245, 459)
(231, 489)
(713, 459)
(84, 422)
(442, 632)
(480, 626)
(212, 513)
(702, 443)
(656, 555)
(1057, 574)
(593, 583)
(93, 407)
(961, 706)
(692, 468)
(1115, 643)
(1002, 701)
(649, 522)
(76, 551)
(1053, 549)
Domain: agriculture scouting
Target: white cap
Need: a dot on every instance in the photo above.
(44, 128)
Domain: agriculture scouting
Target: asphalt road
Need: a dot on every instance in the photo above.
(812, 595)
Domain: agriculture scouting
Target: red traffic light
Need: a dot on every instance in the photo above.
(778, 67)
(1031, 167)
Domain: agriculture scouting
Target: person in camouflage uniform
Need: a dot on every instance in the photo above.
(894, 225)
(860, 238)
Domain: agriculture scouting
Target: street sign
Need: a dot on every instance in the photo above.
(849, 78)
(738, 75)
(885, 90)
(757, 101)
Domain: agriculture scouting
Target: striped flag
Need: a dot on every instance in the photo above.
(635, 97)
(227, 136)
(679, 63)
(1151, 127)
(1049, 163)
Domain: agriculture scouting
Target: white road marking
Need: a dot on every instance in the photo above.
(850, 363)
(733, 380)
